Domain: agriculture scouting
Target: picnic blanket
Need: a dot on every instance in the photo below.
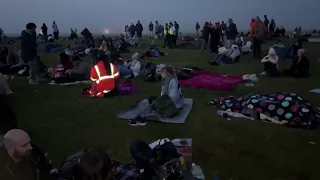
(143, 109)
(70, 83)
(211, 80)
(281, 108)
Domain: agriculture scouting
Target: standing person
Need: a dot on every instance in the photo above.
(126, 30)
(166, 35)
(150, 29)
(157, 29)
(55, 30)
(176, 32)
(139, 29)
(29, 51)
(272, 26)
(171, 35)
(231, 33)
(44, 30)
(132, 30)
(197, 28)
(205, 36)
(258, 32)
(1, 34)
(215, 38)
(266, 21)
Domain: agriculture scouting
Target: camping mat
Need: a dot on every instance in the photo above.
(71, 83)
(211, 80)
(143, 109)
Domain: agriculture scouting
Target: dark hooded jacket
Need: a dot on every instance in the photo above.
(28, 46)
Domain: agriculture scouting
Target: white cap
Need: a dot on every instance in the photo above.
(193, 164)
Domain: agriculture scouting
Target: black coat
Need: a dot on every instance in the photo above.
(300, 69)
(231, 31)
(139, 28)
(215, 36)
(28, 46)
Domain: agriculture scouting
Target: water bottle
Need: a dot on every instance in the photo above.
(197, 171)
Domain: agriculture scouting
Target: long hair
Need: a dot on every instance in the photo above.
(170, 70)
(107, 64)
(94, 165)
(64, 58)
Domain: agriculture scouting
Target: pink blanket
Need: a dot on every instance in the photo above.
(211, 80)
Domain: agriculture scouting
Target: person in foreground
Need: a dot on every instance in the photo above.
(17, 161)
(171, 99)
(271, 64)
(104, 75)
(97, 165)
(300, 66)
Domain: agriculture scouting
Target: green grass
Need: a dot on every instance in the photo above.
(61, 121)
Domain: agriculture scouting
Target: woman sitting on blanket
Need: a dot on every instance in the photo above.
(80, 70)
(104, 75)
(271, 64)
(171, 99)
(60, 69)
(300, 66)
(13, 63)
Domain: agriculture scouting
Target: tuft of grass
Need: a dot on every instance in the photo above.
(61, 121)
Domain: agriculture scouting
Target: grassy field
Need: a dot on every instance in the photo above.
(61, 121)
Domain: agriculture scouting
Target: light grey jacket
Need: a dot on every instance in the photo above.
(174, 91)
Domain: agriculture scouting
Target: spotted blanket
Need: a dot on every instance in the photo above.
(286, 108)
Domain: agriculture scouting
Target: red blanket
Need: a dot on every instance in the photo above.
(211, 80)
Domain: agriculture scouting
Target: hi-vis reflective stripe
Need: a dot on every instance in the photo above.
(104, 77)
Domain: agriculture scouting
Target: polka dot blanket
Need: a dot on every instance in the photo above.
(288, 108)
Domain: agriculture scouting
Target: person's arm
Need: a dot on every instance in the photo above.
(116, 73)
(93, 74)
(174, 90)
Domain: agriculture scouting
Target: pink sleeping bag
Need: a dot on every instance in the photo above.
(211, 80)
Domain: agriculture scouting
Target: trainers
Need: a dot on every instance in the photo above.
(137, 122)
(263, 73)
(33, 81)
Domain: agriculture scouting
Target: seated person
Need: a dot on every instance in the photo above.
(296, 46)
(124, 71)
(134, 64)
(50, 38)
(68, 51)
(96, 165)
(104, 75)
(13, 63)
(300, 66)
(230, 56)
(271, 64)
(279, 44)
(247, 47)
(22, 160)
(80, 70)
(282, 31)
(171, 99)
(153, 51)
(60, 69)
(103, 46)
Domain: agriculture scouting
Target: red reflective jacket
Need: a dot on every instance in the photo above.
(104, 81)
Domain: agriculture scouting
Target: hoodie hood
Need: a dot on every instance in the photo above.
(135, 56)
(272, 52)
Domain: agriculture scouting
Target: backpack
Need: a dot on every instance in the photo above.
(168, 161)
(65, 170)
(126, 87)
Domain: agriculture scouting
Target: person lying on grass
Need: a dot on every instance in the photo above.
(300, 66)
(270, 63)
(104, 75)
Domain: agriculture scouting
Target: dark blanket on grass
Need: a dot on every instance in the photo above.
(288, 108)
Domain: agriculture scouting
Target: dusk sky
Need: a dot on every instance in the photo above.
(98, 15)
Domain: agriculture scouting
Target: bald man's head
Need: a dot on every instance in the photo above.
(17, 143)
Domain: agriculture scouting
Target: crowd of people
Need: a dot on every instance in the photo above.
(107, 71)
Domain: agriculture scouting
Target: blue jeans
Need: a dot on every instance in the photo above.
(124, 71)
